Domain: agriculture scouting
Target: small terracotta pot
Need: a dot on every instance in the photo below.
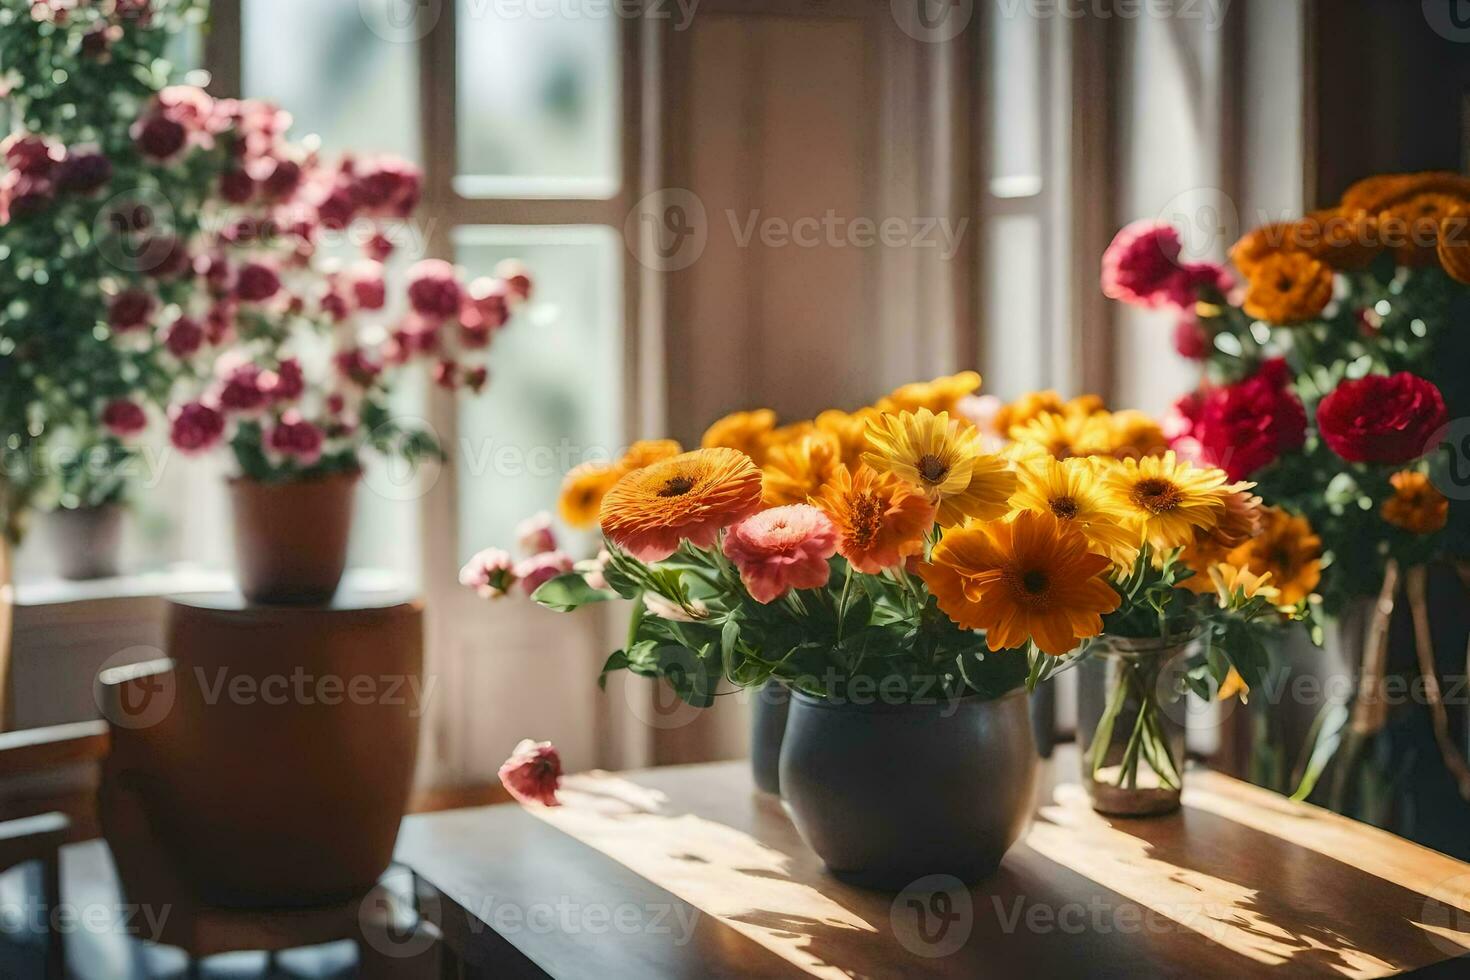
(86, 540)
(291, 538)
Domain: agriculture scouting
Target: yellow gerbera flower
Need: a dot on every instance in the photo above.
(1035, 404)
(939, 395)
(850, 430)
(943, 459)
(1133, 434)
(1064, 435)
(1167, 499)
(743, 431)
(1232, 582)
(795, 472)
(646, 452)
(582, 490)
(1074, 492)
(1028, 580)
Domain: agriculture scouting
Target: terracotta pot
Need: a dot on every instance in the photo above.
(268, 762)
(291, 538)
(86, 541)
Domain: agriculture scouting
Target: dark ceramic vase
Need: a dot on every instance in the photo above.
(887, 794)
(767, 730)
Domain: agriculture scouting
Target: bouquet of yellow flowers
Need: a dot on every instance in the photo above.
(935, 544)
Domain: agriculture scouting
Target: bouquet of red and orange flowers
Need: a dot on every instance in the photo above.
(936, 544)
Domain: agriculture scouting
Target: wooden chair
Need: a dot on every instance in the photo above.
(48, 785)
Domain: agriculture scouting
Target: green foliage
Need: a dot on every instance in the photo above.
(860, 636)
(60, 265)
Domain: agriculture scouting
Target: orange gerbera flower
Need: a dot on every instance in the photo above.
(1416, 506)
(582, 490)
(1412, 226)
(1133, 434)
(851, 431)
(1288, 287)
(1032, 579)
(1063, 435)
(880, 519)
(743, 431)
(1454, 244)
(1288, 549)
(689, 497)
(795, 472)
(647, 451)
(939, 395)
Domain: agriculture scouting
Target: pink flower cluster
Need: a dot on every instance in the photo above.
(781, 549)
(256, 282)
(532, 774)
(1142, 267)
(492, 573)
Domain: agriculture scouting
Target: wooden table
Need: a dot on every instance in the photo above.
(689, 872)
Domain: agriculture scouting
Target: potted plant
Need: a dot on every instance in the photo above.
(81, 208)
(85, 525)
(287, 355)
(1331, 375)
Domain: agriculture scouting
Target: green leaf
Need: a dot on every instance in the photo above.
(617, 661)
(568, 592)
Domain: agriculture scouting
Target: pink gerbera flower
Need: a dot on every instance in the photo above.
(491, 573)
(532, 774)
(781, 549)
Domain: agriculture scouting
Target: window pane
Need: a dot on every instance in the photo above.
(340, 79)
(538, 99)
(1017, 119)
(1015, 342)
(555, 394)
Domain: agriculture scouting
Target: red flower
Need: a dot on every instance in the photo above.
(85, 169)
(183, 337)
(368, 288)
(1381, 419)
(433, 290)
(516, 277)
(257, 282)
(124, 418)
(195, 427)
(159, 137)
(1190, 339)
(297, 439)
(1246, 426)
(532, 774)
(129, 310)
(241, 390)
(236, 186)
